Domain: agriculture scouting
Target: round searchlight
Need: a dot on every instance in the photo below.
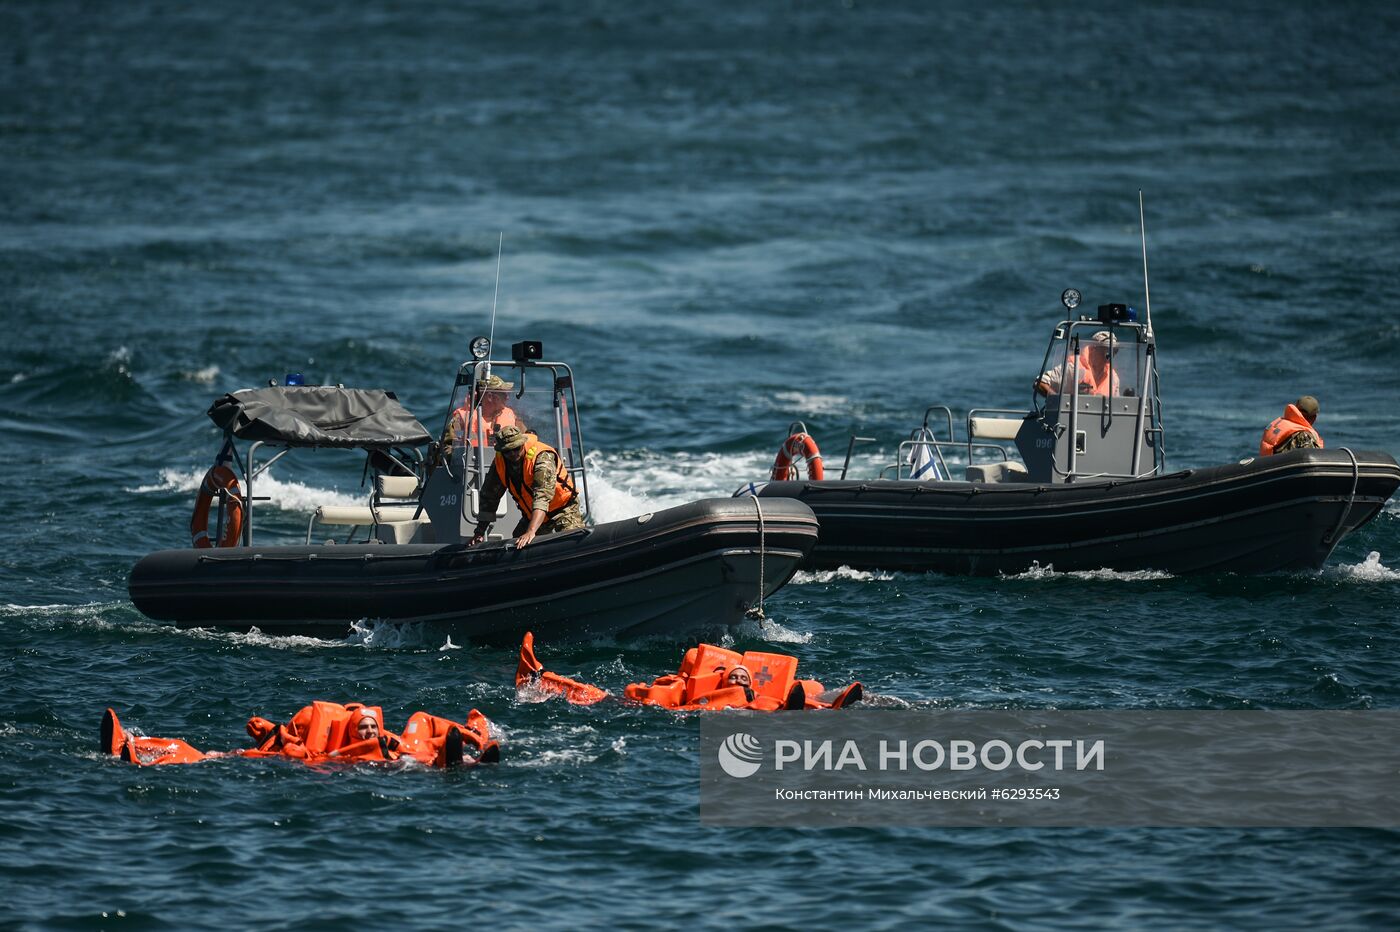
(1070, 298)
(480, 347)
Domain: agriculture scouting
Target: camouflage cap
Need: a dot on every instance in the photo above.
(494, 383)
(509, 437)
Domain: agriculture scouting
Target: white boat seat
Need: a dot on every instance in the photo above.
(364, 515)
(994, 428)
(997, 472)
(396, 486)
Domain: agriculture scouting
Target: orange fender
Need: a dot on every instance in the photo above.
(531, 674)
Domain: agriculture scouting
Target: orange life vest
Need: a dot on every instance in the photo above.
(1095, 380)
(701, 683)
(1284, 427)
(524, 494)
(466, 421)
(530, 674)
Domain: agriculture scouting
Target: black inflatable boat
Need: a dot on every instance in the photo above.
(406, 556)
(1079, 482)
(1284, 512)
(690, 568)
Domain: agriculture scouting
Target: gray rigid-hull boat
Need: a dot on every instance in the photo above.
(406, 554)
(1079, 482)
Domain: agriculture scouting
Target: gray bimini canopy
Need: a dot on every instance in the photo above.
(319, 416)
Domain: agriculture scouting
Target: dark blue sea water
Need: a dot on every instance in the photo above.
(726, 216)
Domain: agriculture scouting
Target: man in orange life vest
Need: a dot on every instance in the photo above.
(539, 482)
(490, 407)
(1091, 366)
(1294, 430)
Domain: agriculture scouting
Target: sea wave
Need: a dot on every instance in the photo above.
(202, 376)
(284, 496)
(805, 403)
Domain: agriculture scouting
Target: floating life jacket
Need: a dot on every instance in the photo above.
(1284, 427)
(530, 674)
(700, 684)
(524, 494)
(324, 731)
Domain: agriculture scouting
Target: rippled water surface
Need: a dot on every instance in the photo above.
(726, 217)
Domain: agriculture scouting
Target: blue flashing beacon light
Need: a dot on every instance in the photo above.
(294, 378)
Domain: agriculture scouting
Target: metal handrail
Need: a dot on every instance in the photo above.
(1005, 458)
(947, 413)
(851, 447)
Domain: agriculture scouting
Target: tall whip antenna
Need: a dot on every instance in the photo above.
(1146, 293)
(500, 246)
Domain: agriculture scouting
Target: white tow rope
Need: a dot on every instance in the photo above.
(757, 611)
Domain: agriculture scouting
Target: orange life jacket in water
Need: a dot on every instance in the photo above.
(319, 732)
(1284, 427)
(701, 683)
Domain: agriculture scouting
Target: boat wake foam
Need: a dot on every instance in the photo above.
(1048, 572)
(767, 629)
(625, 485)
(1368, 570)
(285, 496)
(253, 637)
(100, 616)
(369, 633)
(804, 577)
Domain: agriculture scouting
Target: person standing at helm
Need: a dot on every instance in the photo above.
(1294, 430)
(486, 409)
(1091, 367)
(538, 481)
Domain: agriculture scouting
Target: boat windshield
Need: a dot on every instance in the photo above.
(1090, 359)
(533, 398)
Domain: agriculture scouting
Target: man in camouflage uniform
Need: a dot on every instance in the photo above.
(511, 442)
(1298, 423)
(1302, 440)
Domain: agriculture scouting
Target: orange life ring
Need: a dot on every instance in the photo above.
(218, 477)
(798, 446)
